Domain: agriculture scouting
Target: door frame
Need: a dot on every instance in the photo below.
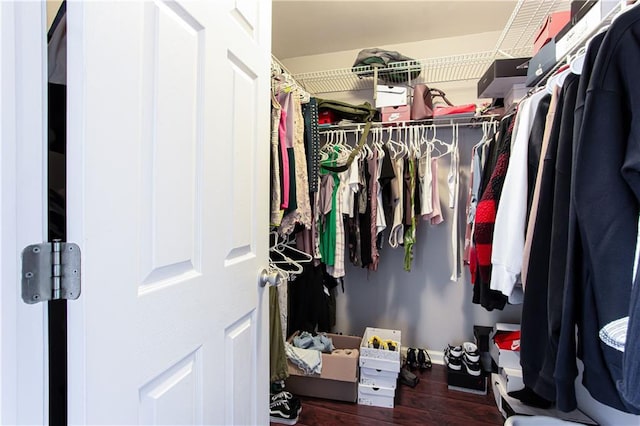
(23, 208)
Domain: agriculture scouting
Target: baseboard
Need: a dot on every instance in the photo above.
(437, 357)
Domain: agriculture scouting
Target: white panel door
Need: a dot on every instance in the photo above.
(22, 208)
(168, 171)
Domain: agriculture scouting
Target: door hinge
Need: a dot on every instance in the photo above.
(50, 271)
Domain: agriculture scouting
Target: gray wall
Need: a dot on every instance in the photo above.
(424, 304)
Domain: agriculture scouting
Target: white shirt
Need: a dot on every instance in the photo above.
(509, 231)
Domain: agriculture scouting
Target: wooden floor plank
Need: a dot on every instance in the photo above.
(429, 403)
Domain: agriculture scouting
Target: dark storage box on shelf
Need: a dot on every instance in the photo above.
(501, 76)
(541, 63)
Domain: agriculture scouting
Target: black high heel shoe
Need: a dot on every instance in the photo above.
(424, 361)
(412, 361)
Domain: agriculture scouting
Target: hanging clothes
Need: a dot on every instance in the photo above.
(510, 221)
(396, 236)
(535, 349)
(410, 234)
(602, 249)
(485, 221)
(453, 180)
(373, 199)
(312, 142)
(276, 190)
(300, 212)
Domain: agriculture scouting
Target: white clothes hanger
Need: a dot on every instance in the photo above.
(396, 149)
(296, 268)
(281, 247)
(434, 141)
(556, 80)
(378, 144)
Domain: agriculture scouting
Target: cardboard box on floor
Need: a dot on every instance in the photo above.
(339, 377)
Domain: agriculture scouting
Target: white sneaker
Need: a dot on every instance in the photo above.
(473, 368)
(471, 350)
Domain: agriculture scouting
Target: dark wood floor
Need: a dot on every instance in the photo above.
(429, 403)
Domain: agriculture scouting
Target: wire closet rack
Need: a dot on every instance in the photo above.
(516, 40)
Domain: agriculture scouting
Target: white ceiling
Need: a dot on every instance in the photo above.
(310, 27)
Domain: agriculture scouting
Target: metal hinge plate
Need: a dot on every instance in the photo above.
(50, 271)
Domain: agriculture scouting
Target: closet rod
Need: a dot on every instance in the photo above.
(397, 125)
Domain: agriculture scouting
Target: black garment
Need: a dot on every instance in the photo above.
(386, 176)
(605, 195)
(293, 201)
(540, 312)
(535, 147)
(559, 229)
(534, 343)
(365, 221)
(312, 142)
(494, 151)
(308, 303)
(566, 369)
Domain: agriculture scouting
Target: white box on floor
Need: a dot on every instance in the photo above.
(512, 378)
(498, 389)
(380, 359)
(374, 377)
(376, 396)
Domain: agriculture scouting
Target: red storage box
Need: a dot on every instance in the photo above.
(395, 113)
(549, 28)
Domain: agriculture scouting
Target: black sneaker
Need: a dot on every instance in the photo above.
(472, 367)
(412, 358)
(294, 402)
(424, 360)
(280, 411)
(451, 360)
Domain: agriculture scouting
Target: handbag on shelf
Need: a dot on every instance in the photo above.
(424, 106)
(335, 111)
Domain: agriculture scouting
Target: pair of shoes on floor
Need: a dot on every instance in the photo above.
(284, 408)
(418, 358)
(465, 355)
(377, 343)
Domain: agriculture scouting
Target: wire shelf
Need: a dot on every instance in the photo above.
(525, 20)
(433, 70)
(515, 41)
